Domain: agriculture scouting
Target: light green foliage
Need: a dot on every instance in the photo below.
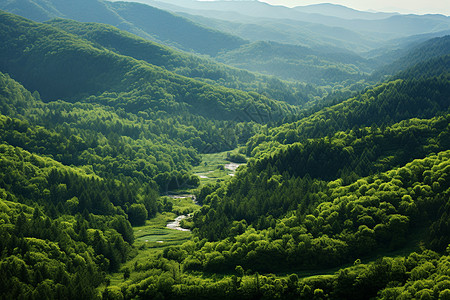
(316, 234)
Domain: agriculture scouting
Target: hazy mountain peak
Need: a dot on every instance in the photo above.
(341, 11)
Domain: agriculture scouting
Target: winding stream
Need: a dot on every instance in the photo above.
(175, 224)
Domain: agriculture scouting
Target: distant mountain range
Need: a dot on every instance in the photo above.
(383, 26)
(321, 44)
(315, 25)
(343, 12)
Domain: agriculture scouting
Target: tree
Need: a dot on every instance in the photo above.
(126, 274)
(137, 214)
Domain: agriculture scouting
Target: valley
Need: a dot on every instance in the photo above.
(223, 150)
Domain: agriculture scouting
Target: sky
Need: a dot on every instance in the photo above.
(402, 6)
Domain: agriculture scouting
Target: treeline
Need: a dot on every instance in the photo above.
(359, 152)
(45, 258)
(430, 50)
(301, 205)
(91, 136)
(345, 183)
(61, 229)
(80, 221)
(429, 68)
(418, 275)
(265, 188)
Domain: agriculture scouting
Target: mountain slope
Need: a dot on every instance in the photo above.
(328, 224)
(427, 50)
(139, 19)
(62, 226)
(60, 65)
(258, 21)
(347, 202)
(309, 205)
(383, 104)
(340, 11)
(184, 64)
(403, 24)
(175, 30)
(286, 31)
(297, 63)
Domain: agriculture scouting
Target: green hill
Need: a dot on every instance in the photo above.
(256, 19)
(297, 63)
(329, 9)
(343, 156)
(187, 65)
(430, 49)
(383, 104)
(429, 68)
(286, 31)
(96, 136)
(143, 20)
(62, 66)
(62, 226)
(177, 31)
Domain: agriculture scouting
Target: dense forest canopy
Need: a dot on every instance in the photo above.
(327, 176)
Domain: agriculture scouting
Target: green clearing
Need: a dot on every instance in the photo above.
(212, 168)
(183, 204)
(153, 237)
(150, 240)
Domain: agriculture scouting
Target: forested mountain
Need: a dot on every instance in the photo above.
(431, 49)
(396, 48)
(330, 223)
(188, 65)
(142, 20)
(296, 63)
(312, 206)
(287, 31)
(41, 58)
(163, 27)
(373, 31)
(384, 104)
(328, 60)
(429, 68)
(326, 153)
(62, 227)
(107, 137)
(104, 139)
(178, 31)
